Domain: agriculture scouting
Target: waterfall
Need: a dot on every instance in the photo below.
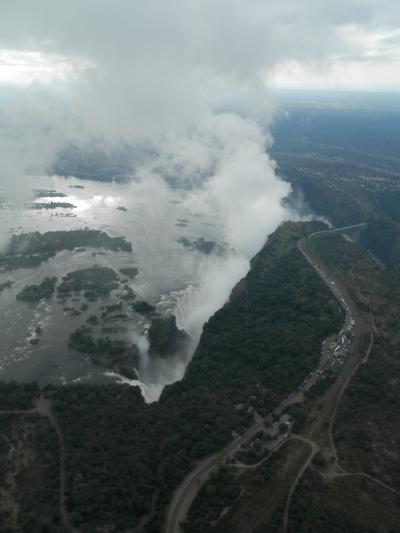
(192, 306)
(196, 303)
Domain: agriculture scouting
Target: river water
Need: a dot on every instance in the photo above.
(172, 277)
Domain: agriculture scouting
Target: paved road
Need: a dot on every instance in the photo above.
(188, 489)
(336, 230)
(185, 494)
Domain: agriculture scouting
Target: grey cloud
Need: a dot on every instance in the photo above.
(164, 63)
(159, 66)
(187, 79)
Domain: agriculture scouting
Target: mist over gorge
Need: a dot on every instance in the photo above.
(180, 90)
(165, 108)
(199, 266)
(218, 181)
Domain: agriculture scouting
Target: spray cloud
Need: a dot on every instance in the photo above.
(185, 81)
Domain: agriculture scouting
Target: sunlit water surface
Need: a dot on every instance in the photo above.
(174, 278)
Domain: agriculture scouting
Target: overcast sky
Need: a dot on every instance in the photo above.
(187, 79)
(164, 72)
(349, 44)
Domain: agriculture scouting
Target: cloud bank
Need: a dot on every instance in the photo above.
(144, 70)
(186, 81)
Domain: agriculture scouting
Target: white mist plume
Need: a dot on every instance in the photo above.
(234, 180)
(187, 81)
(195, 305)
(146, 71)
(167, 102)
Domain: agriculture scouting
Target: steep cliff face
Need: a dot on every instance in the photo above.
(165, 337)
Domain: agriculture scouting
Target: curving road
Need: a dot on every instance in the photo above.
(187, 491)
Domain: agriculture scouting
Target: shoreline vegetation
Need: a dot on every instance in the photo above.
(28, 250)
(52, 205)
(35, 293)
(252, 353)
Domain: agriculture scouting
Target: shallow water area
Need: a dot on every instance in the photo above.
(35, 336)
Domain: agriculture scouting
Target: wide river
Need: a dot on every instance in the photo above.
(175, 278)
